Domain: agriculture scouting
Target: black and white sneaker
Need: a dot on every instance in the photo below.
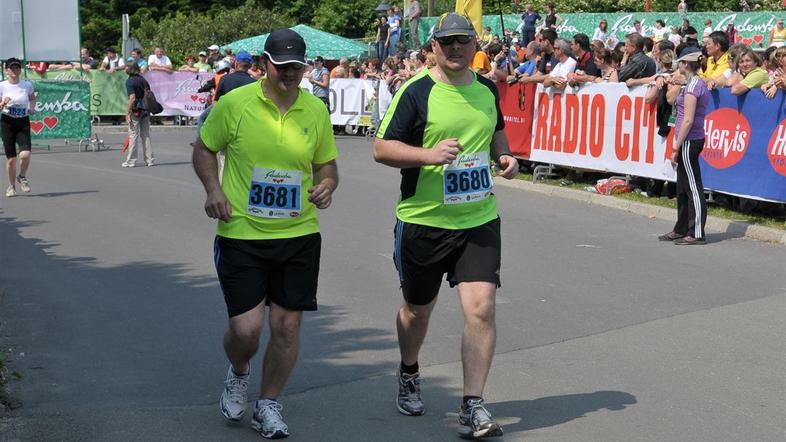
(234, 396)
(268, 421)
(476, 421)
(408, 400)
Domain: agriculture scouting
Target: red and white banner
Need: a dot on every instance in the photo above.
(605, 127)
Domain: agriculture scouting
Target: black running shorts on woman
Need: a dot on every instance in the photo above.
(423, 254)
(15, 131)
(282, 271)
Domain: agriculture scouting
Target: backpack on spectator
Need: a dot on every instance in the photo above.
(151, 104)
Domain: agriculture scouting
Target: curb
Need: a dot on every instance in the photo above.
(715, 224)
(123, 129)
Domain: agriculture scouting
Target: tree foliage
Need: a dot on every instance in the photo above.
(186, 26)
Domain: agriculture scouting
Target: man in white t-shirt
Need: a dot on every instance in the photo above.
(112, 62)
(558, 77)
(159, 62)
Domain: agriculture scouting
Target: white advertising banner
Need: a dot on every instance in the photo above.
(605, 127)
(351, 101)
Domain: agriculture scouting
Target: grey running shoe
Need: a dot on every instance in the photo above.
(476, 421)
(408, 400)
(234, 397)
(268, 421)
(10, 191)
(23, 183)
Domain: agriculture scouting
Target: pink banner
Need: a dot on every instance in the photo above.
(177, 91)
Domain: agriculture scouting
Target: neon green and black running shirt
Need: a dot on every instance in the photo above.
(426, 111)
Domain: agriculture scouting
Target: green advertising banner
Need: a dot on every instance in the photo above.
(62, 110)
(107, 91)
(753, 28)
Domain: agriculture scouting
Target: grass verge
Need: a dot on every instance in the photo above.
(7, 401)
(774, 218)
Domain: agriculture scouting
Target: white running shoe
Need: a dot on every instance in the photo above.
(268, 421)
(127, 164)
(234, 397)
(23, 183)
(10, 192)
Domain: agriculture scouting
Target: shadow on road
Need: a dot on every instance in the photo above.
(58, 194)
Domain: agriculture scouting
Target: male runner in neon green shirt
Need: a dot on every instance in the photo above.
(267, 246)
(443, 130)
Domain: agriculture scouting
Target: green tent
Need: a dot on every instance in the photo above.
(329, 46)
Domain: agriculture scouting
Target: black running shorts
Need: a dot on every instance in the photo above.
(423, 254)
(15, 131)
(282, 271)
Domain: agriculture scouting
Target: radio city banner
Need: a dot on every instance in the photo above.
(609, 127)
(62, 110)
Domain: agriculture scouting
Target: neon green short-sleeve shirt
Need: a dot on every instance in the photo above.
(758, 77)
(426, 111)
(269, 158)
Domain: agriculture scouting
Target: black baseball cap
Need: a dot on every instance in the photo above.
(452, 23)
(285, 46)
(319, 58)
(13, 61)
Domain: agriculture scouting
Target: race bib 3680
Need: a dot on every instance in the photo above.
(468, 179)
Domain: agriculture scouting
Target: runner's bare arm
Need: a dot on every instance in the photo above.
(395, 153)
(326, 182)
(206, 168)
(500, 151)
(32, 99)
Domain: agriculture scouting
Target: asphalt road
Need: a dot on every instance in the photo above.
(111, 309)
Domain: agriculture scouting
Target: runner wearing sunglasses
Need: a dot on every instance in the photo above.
(444, 129)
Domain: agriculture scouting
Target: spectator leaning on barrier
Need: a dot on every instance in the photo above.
(159, 62)
(342, 70)
(202, 65)
(724, 80)
(604, 63)
(136, 55)
(320, 81)
(87, 62)
(112, 62)
(658, 48)
(558, 77)
(189, 66)
(717, 48)
(778, 81)
(586, 71)
(750, 74)
(547, 59)
(637, 65)
(524, 72)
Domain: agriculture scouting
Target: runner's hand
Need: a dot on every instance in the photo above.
(321, 195)
(217, 206)
(509, 165)
(445, 152)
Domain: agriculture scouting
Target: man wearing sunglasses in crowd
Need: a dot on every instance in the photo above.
(280, 168)
(444, 129)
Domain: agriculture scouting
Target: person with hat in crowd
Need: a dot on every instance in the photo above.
(690, 96)
(267, 246)
(214, 56)
(17, 103)
(320, 81)
(447, 219)
(239, 77)
(112, 62)
(202, 65)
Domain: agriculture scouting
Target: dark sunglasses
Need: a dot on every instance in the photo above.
(288, 66)
(14, 66)
(462, 39)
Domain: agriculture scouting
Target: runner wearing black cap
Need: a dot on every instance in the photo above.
(17, 103)
(280, 168)
(447, 219)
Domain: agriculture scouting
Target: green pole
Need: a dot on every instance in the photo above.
(24, 44)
